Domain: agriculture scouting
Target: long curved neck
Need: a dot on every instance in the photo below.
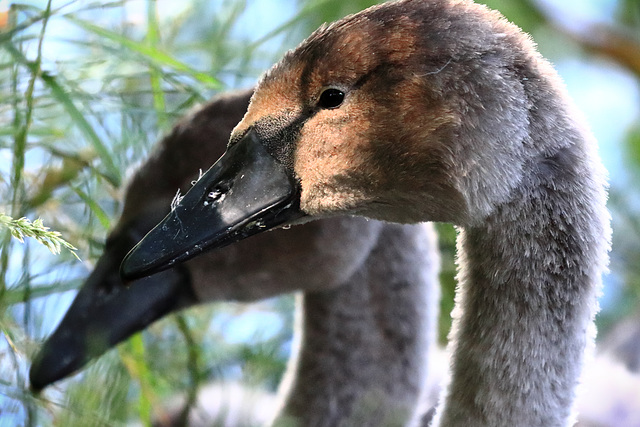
(363, 344)
(529, 279)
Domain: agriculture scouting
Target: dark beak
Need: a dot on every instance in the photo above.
(246, 192)
(104, 313)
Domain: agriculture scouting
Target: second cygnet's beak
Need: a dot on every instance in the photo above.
(105, 313)
(244, 193)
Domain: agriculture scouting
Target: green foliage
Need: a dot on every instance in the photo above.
(86, 90)
(633, 145)
(318, 12)
(629, 13)
(447, 246)
(524, 13)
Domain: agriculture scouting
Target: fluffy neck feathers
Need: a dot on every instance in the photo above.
(361, 359)
(529, 278)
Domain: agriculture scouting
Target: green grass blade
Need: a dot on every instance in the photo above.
(155, 74)
(157, 57)
(15, 296)
(95, 208)
(112, 173)
(133, 357)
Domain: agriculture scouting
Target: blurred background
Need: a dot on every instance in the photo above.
(87, 88)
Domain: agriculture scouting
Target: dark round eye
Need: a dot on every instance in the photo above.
(331, 98)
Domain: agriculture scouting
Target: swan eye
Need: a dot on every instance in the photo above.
(331, 98)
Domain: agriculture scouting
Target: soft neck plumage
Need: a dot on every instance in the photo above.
(529, 279)
(363, 344)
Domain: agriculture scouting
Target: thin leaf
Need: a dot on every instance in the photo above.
(134, 360)
(155, 74)
(95, 208)
(35, 131)
(16, 295)
(8, 35)
(112, 174)
(157, 57)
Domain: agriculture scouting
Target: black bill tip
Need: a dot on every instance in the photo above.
(103, 314)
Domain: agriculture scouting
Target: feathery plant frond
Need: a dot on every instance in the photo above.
(21, 228)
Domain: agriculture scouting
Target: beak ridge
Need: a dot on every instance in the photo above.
(247, 191)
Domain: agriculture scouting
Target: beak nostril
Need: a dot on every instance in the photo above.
(216, 195)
